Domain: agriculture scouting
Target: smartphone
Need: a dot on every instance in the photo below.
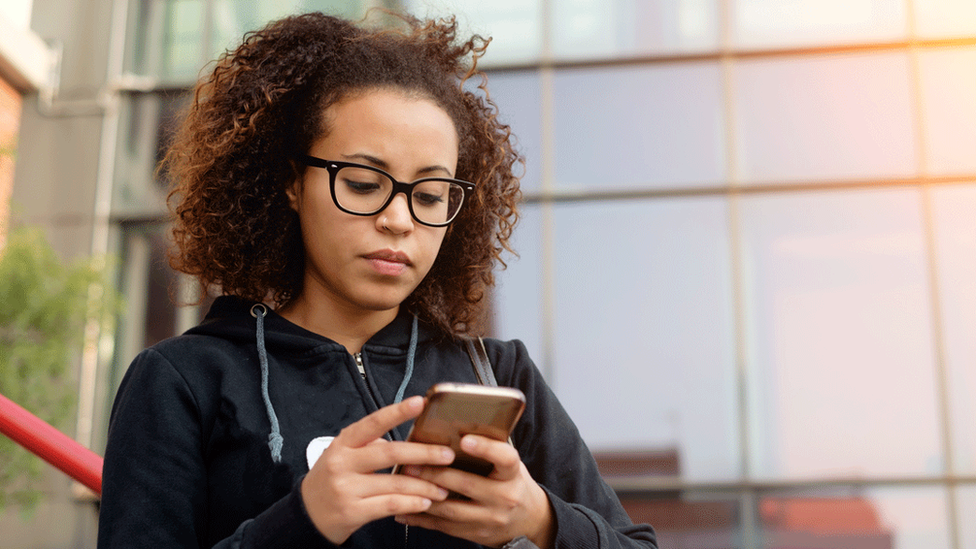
(457, 409)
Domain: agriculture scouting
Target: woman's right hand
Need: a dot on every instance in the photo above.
(343, 492)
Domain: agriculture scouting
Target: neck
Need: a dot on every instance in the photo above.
(349, 326)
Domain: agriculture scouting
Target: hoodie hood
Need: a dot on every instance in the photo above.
(227, 319)
(230, 318)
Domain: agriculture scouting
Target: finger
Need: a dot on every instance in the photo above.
(378, 423)
(370, 486)
(461, 521)
(462, 482)
(375, 457)
(502, 454)
(386, 505)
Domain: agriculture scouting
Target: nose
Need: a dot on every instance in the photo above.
(396, 217)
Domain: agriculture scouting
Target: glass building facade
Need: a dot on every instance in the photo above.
(747, 261)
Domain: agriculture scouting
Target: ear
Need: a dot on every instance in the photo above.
(294, 192)
(294, 188)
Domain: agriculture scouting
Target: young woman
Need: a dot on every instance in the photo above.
(348, 197)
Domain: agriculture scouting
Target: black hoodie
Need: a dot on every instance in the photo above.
(188, 462)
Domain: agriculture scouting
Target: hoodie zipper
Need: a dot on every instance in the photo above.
(362, 373)
(361, 366)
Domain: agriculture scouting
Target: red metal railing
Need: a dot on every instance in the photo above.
(51, 445)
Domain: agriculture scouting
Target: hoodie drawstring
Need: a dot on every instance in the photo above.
(411, 351)
(275, 440)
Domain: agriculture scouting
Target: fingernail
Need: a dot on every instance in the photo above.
(447, 454)
(469, 443)
(415, 402)
(442, 493)
(401, 519)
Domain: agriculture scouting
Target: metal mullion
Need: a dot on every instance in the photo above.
(747, 497)
(655, 486)
(747, 189)
(548, 236)
(718, 55)
(206, 52)
(935, 292)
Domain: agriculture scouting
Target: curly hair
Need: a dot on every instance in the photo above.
(230, 159)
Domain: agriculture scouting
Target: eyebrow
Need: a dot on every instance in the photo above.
(383, 165)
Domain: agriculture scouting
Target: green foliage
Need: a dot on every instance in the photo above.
(44, 305)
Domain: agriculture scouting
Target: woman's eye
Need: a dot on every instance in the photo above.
(361, 187)
(427, 199)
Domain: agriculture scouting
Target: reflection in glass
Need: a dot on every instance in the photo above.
(147, 127)
(160, 311)
(519, 99)
(626, 128)
(643, 340)
(517, 297)
(948, 94)
(965, 510)
(233, 18)
(784, 23)
(882, 518)
(954, 214)
(182, 39)
(515, 26)
(826, 118)
(839, 325)
(945, 18)
(178, 37)
(590, 28)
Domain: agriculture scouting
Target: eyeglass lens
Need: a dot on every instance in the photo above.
(365, 191)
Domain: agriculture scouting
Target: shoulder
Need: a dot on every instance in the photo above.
(194, 366)
(191, 357)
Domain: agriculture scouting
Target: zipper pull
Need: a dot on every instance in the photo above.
(359, 364)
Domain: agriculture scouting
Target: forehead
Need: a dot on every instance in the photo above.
(404, 94)
(389, 122)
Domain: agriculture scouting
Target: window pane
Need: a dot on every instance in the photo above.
(233, 18)
(176, 38)
(856, 519)
(182, 39)
(625, 128)
(945, 18)
(147, 125)
(965, 510)
(517, 296)
(690, 521)
(588, 28)
(832, 117)
(643, 344)
(515, 26)
(518, 97)
(783, 23)
(840, 336)
(954, 210)
(948, 80)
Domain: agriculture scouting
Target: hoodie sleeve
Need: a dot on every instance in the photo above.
(154, 488)
(586, 510)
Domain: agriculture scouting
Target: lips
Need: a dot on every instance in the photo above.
(388, 262)
(390, 256)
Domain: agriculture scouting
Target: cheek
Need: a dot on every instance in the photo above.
(435, 245)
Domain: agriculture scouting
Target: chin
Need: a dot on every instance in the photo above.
(382, 301)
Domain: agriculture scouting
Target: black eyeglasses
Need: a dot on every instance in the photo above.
(364, 190)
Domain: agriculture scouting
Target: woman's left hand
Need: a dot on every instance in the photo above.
(503, 506)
